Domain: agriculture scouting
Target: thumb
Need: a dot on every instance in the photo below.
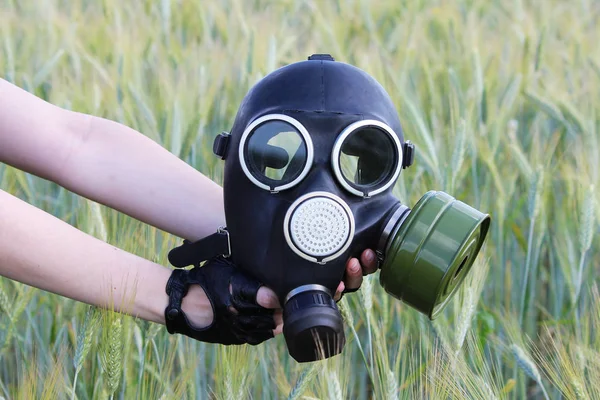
(267, 298)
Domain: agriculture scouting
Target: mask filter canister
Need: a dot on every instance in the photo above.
(430, 250)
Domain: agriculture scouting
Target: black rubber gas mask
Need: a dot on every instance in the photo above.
(310, 163)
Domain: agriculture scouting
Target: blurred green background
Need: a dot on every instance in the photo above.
(501, 101)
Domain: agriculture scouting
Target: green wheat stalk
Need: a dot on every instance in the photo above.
(99, 225)
(535, 193)
(335, 389)
(13, 311)
(112, 351)
(6, 307)
(458, 155)
(304, 380)
(528, 366)
(366, 294)
(391, 386)
(465, 318)
(347, 316)
(84, 342)
(586, 233)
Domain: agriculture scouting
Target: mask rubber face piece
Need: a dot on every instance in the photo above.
(430, 252)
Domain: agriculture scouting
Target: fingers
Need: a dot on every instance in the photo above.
(278, 317)
(355, 271)
(354, 274)
(339, 291)
(267, 298)
(368, 260)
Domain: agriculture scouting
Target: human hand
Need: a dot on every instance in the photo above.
(355, 270)
(243, 311)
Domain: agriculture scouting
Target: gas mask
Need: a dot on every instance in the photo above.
(310, 163)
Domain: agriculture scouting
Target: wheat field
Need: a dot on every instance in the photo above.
(501, 101)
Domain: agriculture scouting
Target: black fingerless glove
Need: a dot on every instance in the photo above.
(237, 317)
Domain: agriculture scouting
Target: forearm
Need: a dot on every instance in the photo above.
(42, 251)
(109, 163)
(125, 170)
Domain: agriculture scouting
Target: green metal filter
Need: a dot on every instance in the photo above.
(430, 252)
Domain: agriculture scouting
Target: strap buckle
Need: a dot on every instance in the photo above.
(192, 253)
(223, 230)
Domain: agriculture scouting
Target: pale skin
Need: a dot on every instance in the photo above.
(116, 166)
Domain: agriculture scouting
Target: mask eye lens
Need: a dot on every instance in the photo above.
(276, 153)
(368, 159)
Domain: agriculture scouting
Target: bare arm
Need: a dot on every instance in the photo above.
(109, 163)
(42, 251)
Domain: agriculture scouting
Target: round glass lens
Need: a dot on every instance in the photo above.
(368, 158)
(275, 153)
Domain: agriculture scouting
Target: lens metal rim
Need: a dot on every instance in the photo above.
(303, 133)
(337, 148)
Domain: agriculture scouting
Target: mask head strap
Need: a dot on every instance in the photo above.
(193, 253)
